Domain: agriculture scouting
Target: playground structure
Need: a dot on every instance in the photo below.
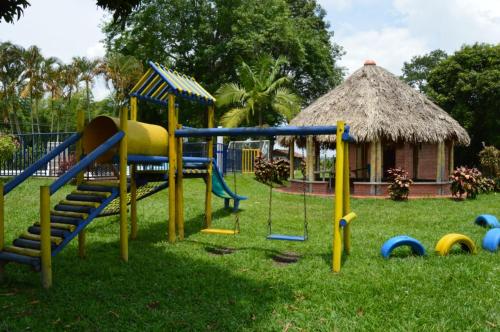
(139, 145)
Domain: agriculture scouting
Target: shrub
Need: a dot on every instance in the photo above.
(269, 172)
(465, 180)
(486, 185)
(66, 163)
(8, 145)
(399, 189)
(489, 157)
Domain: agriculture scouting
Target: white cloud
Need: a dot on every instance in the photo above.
(389, 47)
(96, 50)
(449, 24)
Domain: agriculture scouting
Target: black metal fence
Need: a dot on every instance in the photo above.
(32, 147)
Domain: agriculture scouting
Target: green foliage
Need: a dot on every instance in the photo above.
(209, 39)
(11, 10)
(8, 145)
(399, 189)
(486, 185)
(465, 180)
(121, 73)
(261, 98)
(467, 85)
(416, 72)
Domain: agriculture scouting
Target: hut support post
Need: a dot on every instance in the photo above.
(292, 159)
(452, 158)
(310, 158)
(440, 162)
(378, 172)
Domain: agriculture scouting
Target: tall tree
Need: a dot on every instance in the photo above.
(33, 87)
(11, 70)
(53, 82)
(208, 39)
(88, 70)
(467, 85)
(260, 95)
(416, 72)
(121, 73)
(69, 73)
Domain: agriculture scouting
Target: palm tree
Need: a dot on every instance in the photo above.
(69, 74)
(33, 87)
(261, 90)
(11, 70)
(88, 69)
(53, 82)
(121, 72)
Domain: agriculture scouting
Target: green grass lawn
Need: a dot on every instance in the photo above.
(184, 287)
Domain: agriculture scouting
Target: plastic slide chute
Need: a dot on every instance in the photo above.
(445, 244)
(491, 240)
(402, 240)
(488, 221)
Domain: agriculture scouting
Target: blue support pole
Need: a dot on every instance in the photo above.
(274, 131)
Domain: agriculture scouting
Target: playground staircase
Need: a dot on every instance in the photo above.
(68, 218)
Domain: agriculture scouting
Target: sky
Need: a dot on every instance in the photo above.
(387, 31)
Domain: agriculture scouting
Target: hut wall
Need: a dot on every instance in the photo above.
(427, 161)
(404, 157)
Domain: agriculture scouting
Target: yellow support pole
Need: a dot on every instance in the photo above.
(347, 199)
(339, 202)
(133, 184)
(123, 186)
(292, 159)
(171, 168)
(179, 195)
(80, 125)
(210, 155)
(45, 245)
(133, 108)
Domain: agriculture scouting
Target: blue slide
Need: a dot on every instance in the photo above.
(402, 240)
(222, 190)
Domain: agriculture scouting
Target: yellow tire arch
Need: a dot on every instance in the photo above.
(445, 244)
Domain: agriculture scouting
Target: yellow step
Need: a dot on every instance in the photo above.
(66, 227)
(80, 203)
(103, 194)
(69, 214)
(23, 251)
(220, 231)
(36, 237)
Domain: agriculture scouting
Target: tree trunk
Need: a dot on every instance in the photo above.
(36, 115)
(52, 113)
(31, 114)
(88, 98)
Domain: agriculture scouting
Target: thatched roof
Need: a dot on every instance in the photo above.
(377, 104)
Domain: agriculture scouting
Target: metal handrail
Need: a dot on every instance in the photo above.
(86, 161)
(9, 186)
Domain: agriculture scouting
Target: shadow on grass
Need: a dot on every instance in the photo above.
(162, 287)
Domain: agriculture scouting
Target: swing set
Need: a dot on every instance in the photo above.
(343, 216)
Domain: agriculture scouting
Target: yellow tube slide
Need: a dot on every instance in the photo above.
(144, 139)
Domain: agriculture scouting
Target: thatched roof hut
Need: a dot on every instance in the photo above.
(377, 104)
(392, 124)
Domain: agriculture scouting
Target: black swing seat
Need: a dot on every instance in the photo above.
(283, 237)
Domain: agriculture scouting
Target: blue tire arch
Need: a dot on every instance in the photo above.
(402, 240)
(488, 221)
(491, 240)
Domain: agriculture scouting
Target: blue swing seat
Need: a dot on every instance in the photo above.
(283, 237)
